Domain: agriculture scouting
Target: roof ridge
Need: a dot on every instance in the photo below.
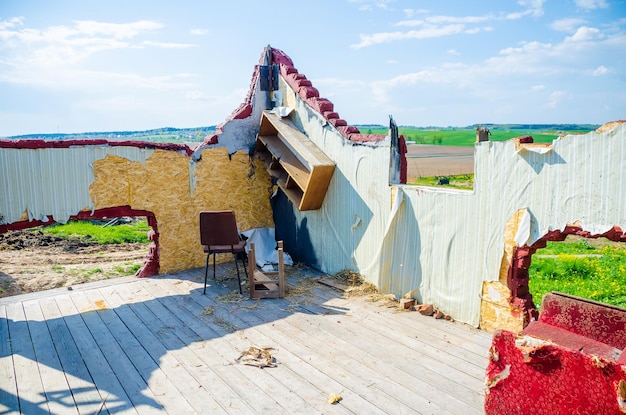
(305, 89)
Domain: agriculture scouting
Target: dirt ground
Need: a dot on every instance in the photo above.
(425, 160)
(32, 261)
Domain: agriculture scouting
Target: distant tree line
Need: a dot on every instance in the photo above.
(163, 135)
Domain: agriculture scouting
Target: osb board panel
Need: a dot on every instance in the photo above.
(510, 230)
(162, 186)
(111, 187)
(495, 310)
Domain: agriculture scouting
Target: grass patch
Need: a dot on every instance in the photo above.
(89, 272)
(58, 269)
(467, 137)
(127, 269)
(136, 232)
(580, 269)
(458, 181)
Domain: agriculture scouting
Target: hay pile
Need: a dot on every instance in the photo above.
(354, 285)
(257, 356)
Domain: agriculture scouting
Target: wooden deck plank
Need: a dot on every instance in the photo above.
(388, 387)
(161, 339)
(396, 345)
(50, 370)
(218, 383)
(353, 377)
(293, 377)
(25, 363)
(9, 403)
(134, 342)
(75, 350)
(260, 380)
(353, 381)
(397, 362)
(439, 346)
(131, 364)
(120, 387)
(461, 337)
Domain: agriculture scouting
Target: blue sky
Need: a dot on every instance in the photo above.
(74, 66)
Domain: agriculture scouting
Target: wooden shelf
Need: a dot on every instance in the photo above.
(302, 170)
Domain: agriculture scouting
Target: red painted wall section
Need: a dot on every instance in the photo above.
(517, 277)
(34, 144)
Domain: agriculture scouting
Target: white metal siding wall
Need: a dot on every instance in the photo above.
(459, 236)
(346, 231)
(52, 181)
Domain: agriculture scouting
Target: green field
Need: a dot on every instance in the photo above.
(588, 268)
(135, 232)
(467, 136)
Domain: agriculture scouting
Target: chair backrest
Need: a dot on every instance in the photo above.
(218, 228)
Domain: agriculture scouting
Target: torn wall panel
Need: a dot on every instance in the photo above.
(580, 179)
(356, 206)
(162, 187)
(52, 181)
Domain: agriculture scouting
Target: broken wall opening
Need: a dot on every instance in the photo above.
(591, 268)
(33, 260)
(518, 276)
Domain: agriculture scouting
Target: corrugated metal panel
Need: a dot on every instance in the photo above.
(346, 230)
(52, 181)
(441, 245)
(459, 237)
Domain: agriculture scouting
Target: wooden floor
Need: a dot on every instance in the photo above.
(158, 345)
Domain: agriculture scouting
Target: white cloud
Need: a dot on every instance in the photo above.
(91, 81)
(199, 32)
(533, 8)
(528, 63)
(65, 45)
(458, 19)
(459, 75)
(14, 21)
(196, 96)
(591, 4)
(169, 45)
(567, 25)
(443, 19)
(427, 32)
(453, 52)
(410, 23)
(586, 34)
(115, 30)
(372, 4)
(58, 57)
(555, 99)
(336, 84)
(600, 70)
(413, 12)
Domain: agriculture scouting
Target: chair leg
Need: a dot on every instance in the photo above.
(238, 277)
(244, 261)
(206, 271)
(213, 265)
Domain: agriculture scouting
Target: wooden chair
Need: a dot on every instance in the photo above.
(219, 235)
(266, 284)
